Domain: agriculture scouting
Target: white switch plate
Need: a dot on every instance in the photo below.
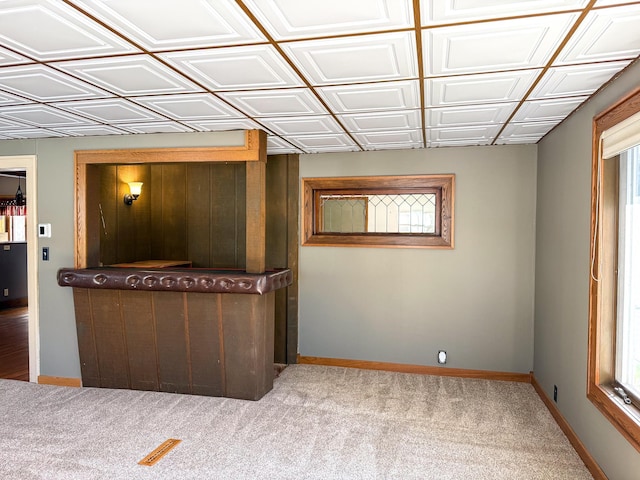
(44, 230)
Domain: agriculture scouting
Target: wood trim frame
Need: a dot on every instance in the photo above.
(444, 240)
(419, 369)
(254, 152)
(59, 381)
(600, 368)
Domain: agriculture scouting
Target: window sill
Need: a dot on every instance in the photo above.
(626, 418)
(373, 240)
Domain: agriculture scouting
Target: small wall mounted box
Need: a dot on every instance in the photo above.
(44, 230)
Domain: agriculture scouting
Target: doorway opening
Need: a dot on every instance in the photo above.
(19, 345)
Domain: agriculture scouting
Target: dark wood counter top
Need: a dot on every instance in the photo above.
(201, 280)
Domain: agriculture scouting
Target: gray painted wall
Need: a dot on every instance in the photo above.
(402, 305)
(562, 279)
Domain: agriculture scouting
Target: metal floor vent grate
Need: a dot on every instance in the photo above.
(164, 448)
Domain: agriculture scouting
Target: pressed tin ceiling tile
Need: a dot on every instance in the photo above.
(287, 20)
(161, 25)
(316, 75)
(358, 59)
(130, 76)
(44, 84)
(237, 68)
(47, 30)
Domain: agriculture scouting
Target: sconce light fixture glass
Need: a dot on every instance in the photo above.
(135, 188)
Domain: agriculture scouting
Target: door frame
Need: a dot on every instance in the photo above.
(28, 164)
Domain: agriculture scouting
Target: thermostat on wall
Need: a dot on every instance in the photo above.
(44, 230)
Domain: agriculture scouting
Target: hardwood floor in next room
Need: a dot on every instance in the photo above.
(14, 344)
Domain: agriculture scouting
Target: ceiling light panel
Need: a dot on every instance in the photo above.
(454, 11)
(480, 47)
(43, 84)
(168, 25)
(133, 75)
(470, 115)
(376, 121)
(199, 106)
(553, 109)
(606, 34)
(42, 116)
(69, 34)
(367, 58)
(269, 103)
(111, 111)
(323, 125)
(575, 80)
(286, 19)
(244, 68)
(480, 88)
(372, 96)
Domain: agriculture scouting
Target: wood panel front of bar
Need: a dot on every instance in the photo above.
(179, 331)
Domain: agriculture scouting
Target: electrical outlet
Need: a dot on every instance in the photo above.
(555, 393)
(442, 357)
(5, 292)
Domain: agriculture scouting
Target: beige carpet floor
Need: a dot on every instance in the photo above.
(317, 423)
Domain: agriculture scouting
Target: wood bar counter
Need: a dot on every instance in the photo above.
(195, 331)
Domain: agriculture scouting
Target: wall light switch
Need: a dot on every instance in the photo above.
(45, 254)
(44, 230)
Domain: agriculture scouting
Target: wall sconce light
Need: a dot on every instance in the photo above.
(135, 188)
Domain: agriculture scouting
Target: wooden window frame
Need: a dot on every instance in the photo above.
(602, 283)
(444, 185)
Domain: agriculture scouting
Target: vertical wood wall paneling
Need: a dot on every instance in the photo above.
(108, 230)
(276, 243)
(293, 244)
(140, 336)
(171, 334)
(282, 249)
(205, 344)
(248, 344)
(89, 368)
(126, 214)
(141, 217)
(93, 222)
(241, 211)
(256, 216)
(157, 225)
(174, 211)
(198, 214)
(109, 337)
(224, 219)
